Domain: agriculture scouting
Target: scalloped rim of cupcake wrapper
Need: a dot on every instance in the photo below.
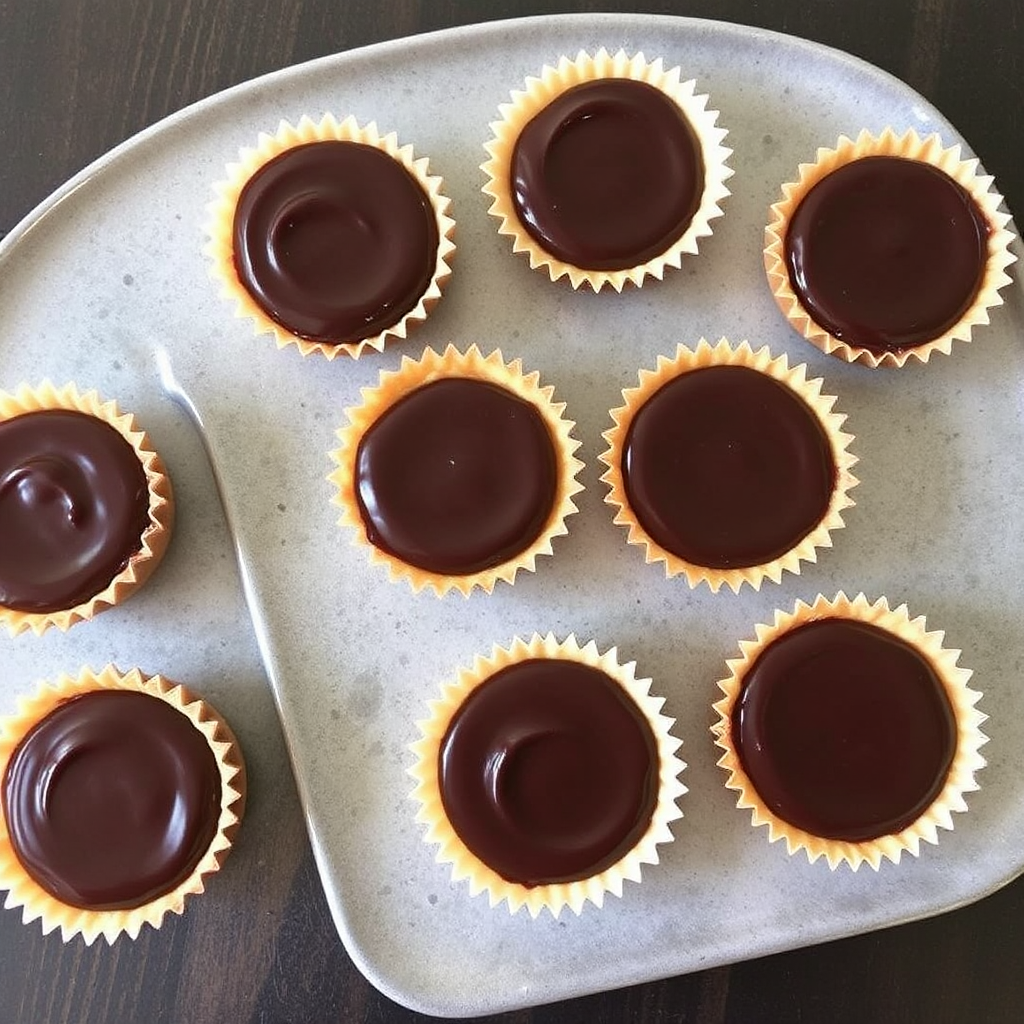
(155, 537)
(966, 761)
(465, 864)
(414, 374)
(220, 225)
(808, 390)
(553, 81)
(909, 146)
(38, 904)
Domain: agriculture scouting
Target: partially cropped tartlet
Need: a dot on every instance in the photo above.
(121, 794)
(330, 237)
(888, 248)
(547, 775)
(86, 507)
(728, 466)
(850, 731)
(457, 470)
(606, 170)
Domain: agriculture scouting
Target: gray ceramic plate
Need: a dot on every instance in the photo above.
(106, 279)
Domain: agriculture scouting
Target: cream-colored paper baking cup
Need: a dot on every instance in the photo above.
(969, 738)
(795, 378)
(912, 147)
(553, 81)
(221, 214)
(465, 864)
(155, 538)
(38, 904)
(414, 374)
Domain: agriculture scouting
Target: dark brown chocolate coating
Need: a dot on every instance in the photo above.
(844, 730)
(548, 772)
(726, 467)
(886, 253)
(112, 799)
(74, 503)
(608, 175)
(457, 477)
(336, 241)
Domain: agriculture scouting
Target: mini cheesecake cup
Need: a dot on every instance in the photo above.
(26, 889)
(155, 535)
(986, 209)
(521, 392)
(830, 438)
(951, 689)
(220, 229)
(523, 756)
(552, 85)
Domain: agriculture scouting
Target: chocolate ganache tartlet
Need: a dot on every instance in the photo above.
(547, 775)
(606, 169)
(457, 470)
(331, 237)
(86, 507)
(888, 248)
(728, 466)
(850, 731)
(120, 793)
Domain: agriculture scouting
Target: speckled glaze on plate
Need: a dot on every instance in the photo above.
(107, 280)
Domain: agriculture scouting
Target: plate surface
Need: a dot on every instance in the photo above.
(105, 283)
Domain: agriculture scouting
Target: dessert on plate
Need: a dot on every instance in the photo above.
(547, 775)
(121, 794)
(606, 169)
(86, 507)
(728, 466)
(849, 731)
(888, 248)
(331, 237)
(457, 470)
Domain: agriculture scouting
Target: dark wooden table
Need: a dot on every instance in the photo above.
(78, 77)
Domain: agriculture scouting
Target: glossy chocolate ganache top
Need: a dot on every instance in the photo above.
(608, 175)
(548, 772)
(74, 503)
(336, 241)
(726, 467)
(111, 799)
(886, 253)
(844, 730)
(456, 477)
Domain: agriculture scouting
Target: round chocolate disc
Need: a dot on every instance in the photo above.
(844, 730)
(112, 799)
(548, 772)
(608, 175)
(74, 503)
(336, 241)
(727, 467)
(886, 253)
(457, 477)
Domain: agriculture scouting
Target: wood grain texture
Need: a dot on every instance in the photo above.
(79, 76)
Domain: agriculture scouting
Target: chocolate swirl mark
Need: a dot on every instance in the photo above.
(335, 240)
(112, 799)
(74, 504)
(608, 175)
